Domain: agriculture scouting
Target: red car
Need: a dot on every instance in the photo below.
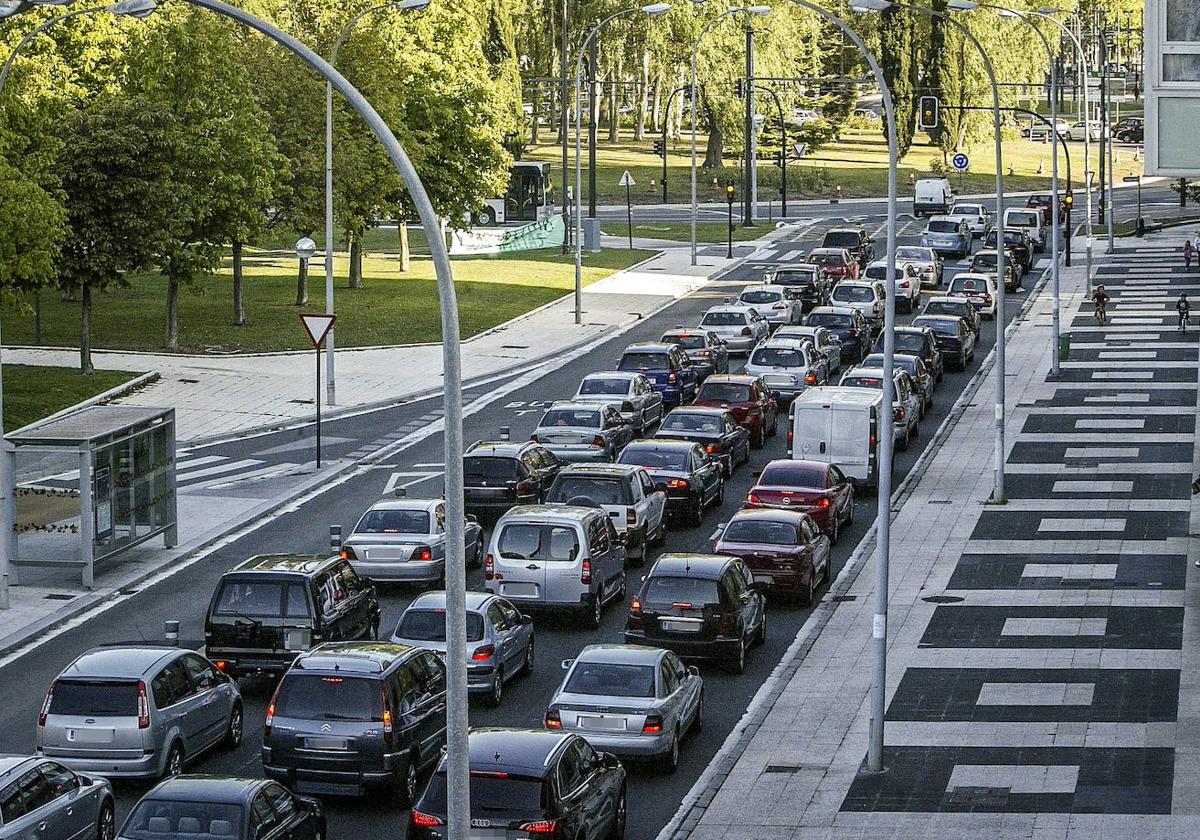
(784, 549)
(836, 262)
(821, 490)
(750, 400)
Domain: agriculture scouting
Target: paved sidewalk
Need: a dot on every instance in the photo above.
(1043, 674)
(225, 395)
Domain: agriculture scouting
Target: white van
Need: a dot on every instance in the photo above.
(933, 197)
(1030, 221)
(838, 426)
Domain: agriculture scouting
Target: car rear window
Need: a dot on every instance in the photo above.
(430, 626)
(95, 698)
(691, 421)
(727, 392)
(529, 541)
(586, 417)
(156, 819)
(316, 697)
(602, 491)
(943, 227)
(653, 457)
(911, 253)
(1023, 218)
(664, 589)
(760, 296)
(609, 679)
(945, 307)
(841, 239)
(793, 474)
(939, 326)
(394, 522)
(988, 260)
(645, 361)
(761, 531)
(254, 598)
(905, 343)
(490, 795)
(687, 342)
(967, 284)
(601, 385)
(723, 319)
(478, 470)
(830, 319)
(793, 278)
(863, 382)
(826, 259)
(777, 357)
(853, 294)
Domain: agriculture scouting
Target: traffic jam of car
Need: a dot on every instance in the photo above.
(563, 527)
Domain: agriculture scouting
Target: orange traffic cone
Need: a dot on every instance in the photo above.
(653, 185)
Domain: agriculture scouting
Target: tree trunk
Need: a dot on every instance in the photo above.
(656, 108)
(85, 330)
(355, 260)
(66, 292)
(714, 150)
(535, 123)
(239, 302)
(37, 317)
(302, 284)
(639, 124)
(405, 252)
(614, 105)
(172, 313)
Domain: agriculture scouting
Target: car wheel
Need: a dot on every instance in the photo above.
(727, 467)
(720, 498)
(757, 437)
(619, 819)
(771, 432)
(527, 665)
(915, 431)
(835, 532)
(592, 616)
(487, 217)
(661, 534)
(477, 560)
(404, 788)
(670, 761)
(697, 724)
(695, 515)
(496, 695)
(850, 514)
(809, 596)
(106, 823)
(737, 664)
(233, 733)
(760, 638)
(174, 765)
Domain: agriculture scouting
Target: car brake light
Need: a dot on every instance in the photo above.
(143, 706)
(630, 516)
(221, 665)
(553, 720)
(422, 820)
(710, 449)
(810, 378)
(540, 827)
(599, 441)
(987, 298)
(790, 437)
(653, 725)
(678, 483)
(534, 438)
(585, 576)
(671, 378)
(46, 704)
(780, 306)
(626, 406)
(347, 553)
(423, 553)
(484, 652)
(823, 502)
(746, 331)
(635, 607)
(898, 414)
(489, 568)
(753, 499)
(387, 718)
(270, 713)
(704, 354)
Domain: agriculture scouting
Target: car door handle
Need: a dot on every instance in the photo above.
(822, 447)
(533, 567)
(42, 826)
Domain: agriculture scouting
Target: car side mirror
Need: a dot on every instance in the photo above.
(526, 619)
(472, 518)
(84, 781)
(693, 670)
(610, 761)
(566, 664)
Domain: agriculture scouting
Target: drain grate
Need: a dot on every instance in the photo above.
(940, 501)
(190, 381)
(301, 402)
(839, 599)
(988, 797)
(792, 768)
(514, 346)
(59, 596)
(943, 599)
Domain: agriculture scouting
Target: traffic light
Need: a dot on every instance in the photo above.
(778, 159)
(739, 88)
(1069, 201)
(660, 148)
(729, 192)
(929, 112)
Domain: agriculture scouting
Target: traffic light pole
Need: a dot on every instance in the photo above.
(662, 144)
(783, 148)
(747, 207)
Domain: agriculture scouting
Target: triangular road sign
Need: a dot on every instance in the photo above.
(626, 180)
(317, 326)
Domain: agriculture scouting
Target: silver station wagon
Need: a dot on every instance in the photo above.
(404, 540)
(43, 800)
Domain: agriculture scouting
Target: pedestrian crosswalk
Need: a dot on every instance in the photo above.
(193, 472)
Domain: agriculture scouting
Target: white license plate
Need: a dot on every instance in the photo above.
(90, 736)
(602, 722)
(521, 590)
(324, 743)
(297, 639)
(767, 579)
(681, 626)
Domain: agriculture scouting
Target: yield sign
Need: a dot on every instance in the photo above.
(317, 327)
(626, 180)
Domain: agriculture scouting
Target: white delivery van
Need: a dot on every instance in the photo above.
(1030, 221)
(838, 426)
(933, 197)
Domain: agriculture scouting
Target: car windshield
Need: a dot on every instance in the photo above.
(1023, 218)
(254, 598)
(760, 296)
(831, 319)
(602, 491)
(430, 626)
(826, 259)
(95, 698)
(608, 679)
(777, 357)
(939, 326)
(876, 360)
(645, 361)
(724, 392)
(648, 456)
(793, 278)
(723, 319)
(496, 793)
(944, 307)
(664, 589)
(483, 470)
(853, 294)
(587, 417)
(531, 541)
(910, 253)
(604, 385)
(687, 342)
(394, 522)
(941, 226)
(969, 285)
(691, 421)
(793, 474)
(156, 819)
(319, 697)
(761, 531)
(873, 382)
(985, 260)
(907, 342)
(841, 239)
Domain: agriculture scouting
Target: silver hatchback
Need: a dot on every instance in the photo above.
(43, 800)
(138, 712)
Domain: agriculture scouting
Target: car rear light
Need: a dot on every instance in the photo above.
(671, 378)
(875, 307)
(653, 725)
(897, 414)
(872, 446)
(710, 449)
(534, 438)
(599, 441)
(678, 483)
(484, 652)
(790, 436)
(347, 553)
(553, 720)
(585, 576)
(222, 665)
(271, 712)
(626, 406)
(143, 706)
(987, 298)
(753, 499)
(489, 568)
(823, 502)
(540, 827)
(388, 735)
(423, 553)
(929, 358)
(810, 378)
(704, 354)
(728, 624)
(780, 306)
(630, 516)
(46, 704)
(746, 331)
(422, 820)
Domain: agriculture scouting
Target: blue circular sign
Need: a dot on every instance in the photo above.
(961, 162)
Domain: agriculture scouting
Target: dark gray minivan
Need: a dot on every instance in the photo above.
(357, 716)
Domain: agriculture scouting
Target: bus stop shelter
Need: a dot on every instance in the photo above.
(125, 469)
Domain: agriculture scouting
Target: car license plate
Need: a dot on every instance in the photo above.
(319, 742)
(602, 722)
(297, 639)
(90, 736)
(520, 590)
(680, 626)
(489, 834)
(767, 579)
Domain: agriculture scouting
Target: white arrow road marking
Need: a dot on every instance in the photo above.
(394, 480)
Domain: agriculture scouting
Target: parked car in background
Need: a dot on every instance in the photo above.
(748, 398)
(774, 306)
(207, 807)
(583, 431)
(866, 296)
(848, 325)
(963, 307)
(1036, 129)
(838, 263)
(500, 640)
(500, 474)
(809, 284)
(1093, 128)
(823, 340)
(906, 402)
(947, 235)
(704, 349)
(916, 341)
(979, 289)
(716, 429)
(905, 277)
(43, 799)
(630, 393)
(977, 216)
(404, 540)
(689, 476)
(816, 488)
(955, 339)
(1129, 130)
(636, 508)
(784, 550)
(632, 701)
(740, 328)
(855, 240)
(666, 366)
(138, 712)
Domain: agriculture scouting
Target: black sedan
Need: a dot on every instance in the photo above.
(919, 341)
(689, 476)
(716, 429)
(225, 807)
(1019, 248)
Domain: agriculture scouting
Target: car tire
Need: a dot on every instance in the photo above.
(737, 664)
(619, 818)
(670, 761)
(697, 725)
(487, 217)
(757, 437)
(592, 614)
(660, 536)
(695, 515)
(174, 763)
(849, 514)
(496, 696)
(835, 532)
(527, 664)
(720, 497)
(477, 560)
(760, 638)
(106, 822)
(771, 432)
(809, 596)
(236, 728)
(404, 787)
(903, 444)
(727, 467)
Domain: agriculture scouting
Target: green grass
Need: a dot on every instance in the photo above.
(390, 309)
(34, 392)
(682, 231)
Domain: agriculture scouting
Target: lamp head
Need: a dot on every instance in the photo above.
(656, 9)
(962, 6)
(139, 9)
(760, 11)
(411, 5)
(1048, 10)
(862, 6)
(305, 248)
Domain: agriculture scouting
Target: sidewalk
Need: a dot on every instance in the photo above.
(1043, 675)
(222, 396)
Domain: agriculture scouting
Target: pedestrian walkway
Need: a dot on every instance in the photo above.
(1044, 655)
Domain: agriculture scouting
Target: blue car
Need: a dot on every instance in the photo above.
(667, 367)
(847, 325)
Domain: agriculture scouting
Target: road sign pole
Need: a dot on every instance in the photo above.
(318, 326)
(317, 349)
(629, 214)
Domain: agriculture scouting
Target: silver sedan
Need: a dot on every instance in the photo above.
(630, 393)
(629, 700)
(404, 541)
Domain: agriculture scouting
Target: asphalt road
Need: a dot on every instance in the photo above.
(303, 527)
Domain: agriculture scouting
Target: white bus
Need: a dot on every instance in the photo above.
(527, 198)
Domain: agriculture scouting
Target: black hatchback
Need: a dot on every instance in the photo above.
(501, 475)
(531, 783)
(691, 478)
(273, 607)
(224, 807)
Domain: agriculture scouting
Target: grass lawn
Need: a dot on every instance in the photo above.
(682, 231)
(390, 308)
(33, 392)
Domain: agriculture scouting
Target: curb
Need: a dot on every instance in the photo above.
(702, 792)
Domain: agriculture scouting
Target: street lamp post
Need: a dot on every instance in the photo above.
(653, 10)
(729, 194)
(749, 10)
(416, 5)
(139, 9)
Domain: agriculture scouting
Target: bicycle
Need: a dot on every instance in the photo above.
(1101, 313)
(1185, 320)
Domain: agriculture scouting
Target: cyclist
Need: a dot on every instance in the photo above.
(1181, 306)
(1099, 299)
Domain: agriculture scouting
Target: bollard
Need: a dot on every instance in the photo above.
(335, 537)
(1064, 346)
(171, 631)
(505, 433)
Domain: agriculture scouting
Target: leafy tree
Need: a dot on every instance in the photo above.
(32, 223)
(896, 33)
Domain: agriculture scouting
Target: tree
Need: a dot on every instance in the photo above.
(896, 32)
(32, 227)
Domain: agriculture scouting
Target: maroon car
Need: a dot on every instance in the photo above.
(836, 262)
(750, 400)
(821, 490)
(784, 549)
